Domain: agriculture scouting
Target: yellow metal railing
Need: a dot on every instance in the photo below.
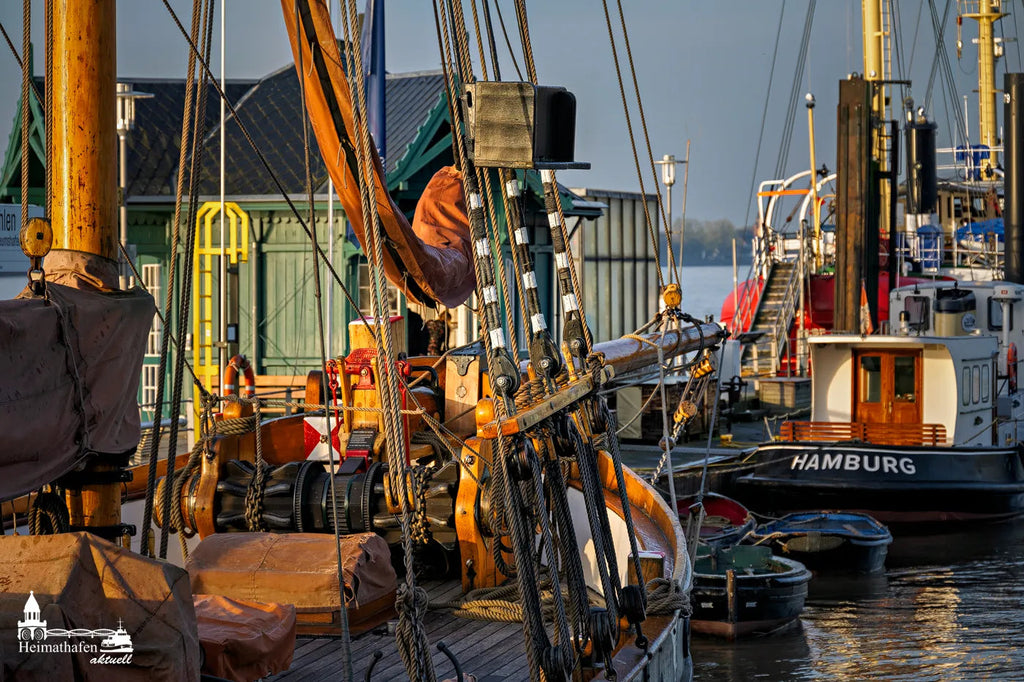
(208, 253)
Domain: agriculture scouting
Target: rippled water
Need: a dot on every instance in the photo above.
(948, 607)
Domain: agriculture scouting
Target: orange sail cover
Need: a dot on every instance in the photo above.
(430, 260)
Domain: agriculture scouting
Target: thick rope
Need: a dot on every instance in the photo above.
(26, 107)
(186, 131)
(185, 305)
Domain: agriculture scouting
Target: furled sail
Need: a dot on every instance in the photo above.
(430, 260)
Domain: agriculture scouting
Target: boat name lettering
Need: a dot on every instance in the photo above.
(838, 461)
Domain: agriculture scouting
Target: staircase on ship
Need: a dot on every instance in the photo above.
(773, 317)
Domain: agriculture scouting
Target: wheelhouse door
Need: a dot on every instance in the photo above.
(887, 386)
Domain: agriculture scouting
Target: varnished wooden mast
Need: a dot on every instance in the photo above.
(84, 127)
(83, 143)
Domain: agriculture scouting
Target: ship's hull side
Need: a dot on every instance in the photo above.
(894, 484)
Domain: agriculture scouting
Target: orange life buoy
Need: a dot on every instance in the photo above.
(239, 364)
(1011, 367)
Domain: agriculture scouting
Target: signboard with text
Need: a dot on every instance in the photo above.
(12, 260)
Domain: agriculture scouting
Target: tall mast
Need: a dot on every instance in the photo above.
(986, 13)
(84, 127)
(83, 144)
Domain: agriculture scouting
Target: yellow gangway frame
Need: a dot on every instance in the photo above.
(206, 367)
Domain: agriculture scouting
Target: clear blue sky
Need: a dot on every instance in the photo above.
(703, 70)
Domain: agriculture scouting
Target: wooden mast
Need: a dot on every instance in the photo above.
(84, 127)
(83, 210)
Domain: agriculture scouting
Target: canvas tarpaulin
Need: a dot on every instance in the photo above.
(69, 377)
(81, 584)
(244, 640)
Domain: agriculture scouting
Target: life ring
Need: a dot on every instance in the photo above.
(239, 364)
(1011, 367)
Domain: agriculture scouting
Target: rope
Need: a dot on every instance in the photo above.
(186, 130)
(26, 109)
(655, 242)
(48, 514)
(185, 304)
(48, 75)
(665, 596)
(411, 636)
(673, 266)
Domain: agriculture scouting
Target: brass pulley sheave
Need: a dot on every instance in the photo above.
(36, 239)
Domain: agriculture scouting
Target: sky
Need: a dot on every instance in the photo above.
(703, 71)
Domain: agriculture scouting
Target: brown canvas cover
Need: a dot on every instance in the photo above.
(84, 584)
(432, 258)
(244, 640)
(293, 568)
(69, 377)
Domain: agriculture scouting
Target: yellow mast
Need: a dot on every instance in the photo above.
(83, 148)
(986, 13)
(877, 68)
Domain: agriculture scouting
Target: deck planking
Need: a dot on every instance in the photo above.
(492, 651)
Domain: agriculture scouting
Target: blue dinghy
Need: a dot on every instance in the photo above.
(828, 541)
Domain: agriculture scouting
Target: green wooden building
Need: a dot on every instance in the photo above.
(274, 306)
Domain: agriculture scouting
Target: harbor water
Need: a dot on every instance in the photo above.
(949, 606)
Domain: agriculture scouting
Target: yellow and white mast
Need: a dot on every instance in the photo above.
(986, 13)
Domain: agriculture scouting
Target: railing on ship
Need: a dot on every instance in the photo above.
(866, 432)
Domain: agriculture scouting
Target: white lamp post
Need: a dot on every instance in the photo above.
(125, 122)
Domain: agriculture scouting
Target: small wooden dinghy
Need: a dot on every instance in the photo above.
(726, 522)
(746, 590)
(828, 541)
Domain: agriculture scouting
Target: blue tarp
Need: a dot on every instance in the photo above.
(981, 232)
(929, 240)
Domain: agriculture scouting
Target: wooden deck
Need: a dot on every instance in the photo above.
(490, 651)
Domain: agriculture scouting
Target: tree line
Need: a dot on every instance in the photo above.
(709, 242)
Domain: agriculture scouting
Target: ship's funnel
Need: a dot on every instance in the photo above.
(1013, 158)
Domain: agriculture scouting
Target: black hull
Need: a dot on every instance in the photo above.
(894, 484)
(763, 602)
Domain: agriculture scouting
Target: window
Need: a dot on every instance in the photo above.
(905, 378)
(151, 281)
(966, 386)
(985, 392)
(916, 308)
(995, 315)
(871, 379)
(976, 384)
(150, 375)
(365, 305)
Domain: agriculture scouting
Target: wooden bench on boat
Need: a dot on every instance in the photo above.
(867, 432)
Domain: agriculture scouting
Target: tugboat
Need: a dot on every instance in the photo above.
(931, 433)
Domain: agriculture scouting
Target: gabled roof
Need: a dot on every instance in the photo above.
(154, 145)
(272, 113)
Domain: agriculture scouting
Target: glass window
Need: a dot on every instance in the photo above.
(966, 386)
(985, 392)
(917, 312)
(976, 384)
(870, 379)
(995, 316)
(905, 378)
